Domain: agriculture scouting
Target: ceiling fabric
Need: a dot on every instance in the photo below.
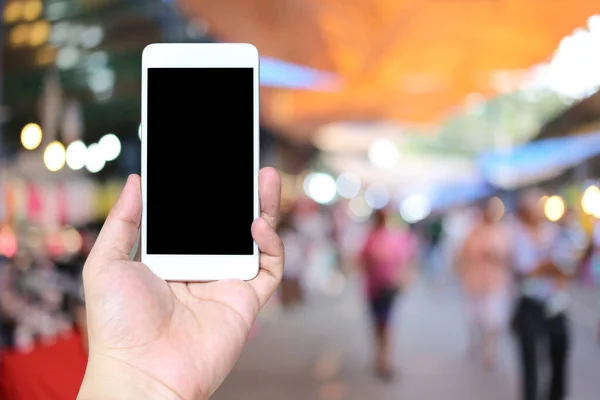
(414, 61)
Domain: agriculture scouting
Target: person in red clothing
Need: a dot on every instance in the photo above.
(385, 255)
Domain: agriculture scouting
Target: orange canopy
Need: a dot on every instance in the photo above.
(409, 60)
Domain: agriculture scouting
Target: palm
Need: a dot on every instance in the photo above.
(183, 334)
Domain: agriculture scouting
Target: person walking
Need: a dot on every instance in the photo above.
(484, 274)
(540, 321)
(384, 257)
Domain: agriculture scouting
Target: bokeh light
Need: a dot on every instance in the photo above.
(67, 57)
(415, 208)
(95, 158)
(320, 187)
(8, 243)
(71, 239)
(92, 36)
(110, 146)
(377, 196)
(348, 185)
(76, 155)
(53, 242)
(55, 156)
(34, 237)
(32, 10)
(383, 153)
(31, 136)
(590, 200)
(359, 209)
(19, 35)
(13, 11)
(39, 33)
(554, 208)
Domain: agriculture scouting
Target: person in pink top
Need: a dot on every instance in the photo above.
(385, 254)
(484, 273)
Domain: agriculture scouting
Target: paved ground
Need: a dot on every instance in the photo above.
(321, 352)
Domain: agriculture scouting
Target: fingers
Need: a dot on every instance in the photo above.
(120, 230)
(269, 191)
(271, 260)
(263, 232)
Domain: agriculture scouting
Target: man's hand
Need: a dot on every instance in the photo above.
(548, 268)
(149, 339)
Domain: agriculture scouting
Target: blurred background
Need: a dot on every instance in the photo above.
(440, 164)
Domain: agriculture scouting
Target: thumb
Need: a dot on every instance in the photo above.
(120, 230)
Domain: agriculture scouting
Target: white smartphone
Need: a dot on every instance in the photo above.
(200, 160)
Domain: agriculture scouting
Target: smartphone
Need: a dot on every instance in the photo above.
(200, 160)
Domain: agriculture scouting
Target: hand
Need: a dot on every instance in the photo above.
(545, 268)
(149, 339)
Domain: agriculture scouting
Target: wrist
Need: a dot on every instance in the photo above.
(110, 379)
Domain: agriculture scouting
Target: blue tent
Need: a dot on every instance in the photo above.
(542, 158)
(277, 73)
(458, 193)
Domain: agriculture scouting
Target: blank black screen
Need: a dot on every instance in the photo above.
(200, 161)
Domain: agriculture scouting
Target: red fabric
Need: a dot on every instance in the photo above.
(50, 372)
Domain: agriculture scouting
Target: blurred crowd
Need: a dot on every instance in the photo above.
(41, 292)
(514, 268)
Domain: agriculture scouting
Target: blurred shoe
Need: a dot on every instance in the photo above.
(385, 373)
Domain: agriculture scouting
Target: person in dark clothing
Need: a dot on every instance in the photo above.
(543, 267)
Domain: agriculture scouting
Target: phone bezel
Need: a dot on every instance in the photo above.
(200, 55)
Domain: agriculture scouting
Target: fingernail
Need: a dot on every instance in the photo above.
(129, 179)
